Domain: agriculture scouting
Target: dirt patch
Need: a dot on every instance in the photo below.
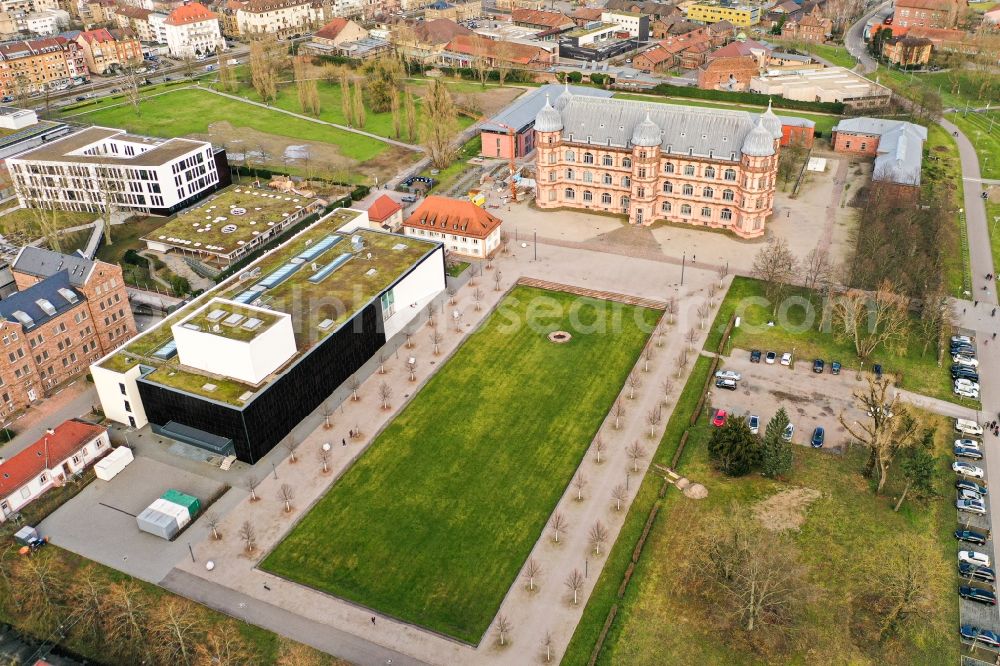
(489, 101)
(790, 397)
(785, 510)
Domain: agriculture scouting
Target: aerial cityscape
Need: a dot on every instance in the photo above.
(506, 332)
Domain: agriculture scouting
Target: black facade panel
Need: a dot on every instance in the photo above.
(163, 404)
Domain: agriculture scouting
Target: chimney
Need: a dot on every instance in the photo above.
(50, 431)
(2, 460)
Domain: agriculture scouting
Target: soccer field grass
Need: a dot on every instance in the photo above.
(432, 524)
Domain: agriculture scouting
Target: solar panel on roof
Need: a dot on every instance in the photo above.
(252, 324)
(319, 248)
(167, 351)
(324, 272)
(233, 319)
(279, 276)
(248, 295)
(216, 315)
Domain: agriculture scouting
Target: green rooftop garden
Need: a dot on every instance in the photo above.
(216, 313)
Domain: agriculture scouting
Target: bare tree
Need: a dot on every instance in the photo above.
(633, 384)
(131, 83)
(703, 311)
(496, 280)
(691, 337)
(125, 613)
(354, 383)
(905, 593)
(599, 447)
(503, 628)
(558, 525)
(291, 444)
(531, 571)
(324, 460)
(477, 296)
(713, 289)
(248, 535)
(775, 266)
(868, 320)
(212, 520)
(286, 494)
(660, 332)
(722, 272)
(411, 367)
(408, 332)
(440, 126)
(682, 361)
(451, 295)
(381, 363)
(618, 411)
(436, 339)
(598, 536)
(636, 452)
(653, 418)
(647, 357)
(887, 429)
(251, 482)
(175, 631)
(667, 387)
(619, 495)
(547, 646)
(385, 394)
(502, 58)
(817, 267)
(224, 646)
(579, 482)
(671, 309)
(574, 581)
(327, 416)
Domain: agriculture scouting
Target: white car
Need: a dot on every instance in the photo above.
(754, 422)
(965, 361)
(786, 358)
(971, 506)
(968, 427)
(969, 470)
(961, 338)
(789, 431)
(973, 557)
(967, 393)
(728, 374)
(967, 494)
(967, 384)
(969, 444)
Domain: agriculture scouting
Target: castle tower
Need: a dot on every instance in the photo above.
(760, 155)
(548, 143)
(646, 140)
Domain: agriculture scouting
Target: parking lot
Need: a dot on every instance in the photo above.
(99, 523)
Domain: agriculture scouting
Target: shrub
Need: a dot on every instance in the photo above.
(575, 77)
(746, 98)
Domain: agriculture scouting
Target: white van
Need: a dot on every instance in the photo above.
(968, 427)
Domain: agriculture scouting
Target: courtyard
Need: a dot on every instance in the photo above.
(432, 524)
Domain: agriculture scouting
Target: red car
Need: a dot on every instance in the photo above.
(719, 419)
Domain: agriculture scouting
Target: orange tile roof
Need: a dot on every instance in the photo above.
(332, 29)
(382, 209)
(461, 218)
(513, 52)
(67, 439)
(540, 17)
(656, 55)
(193, 12)
(99, 35)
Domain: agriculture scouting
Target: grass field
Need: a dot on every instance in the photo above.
(943, 169)
(983, 130)
(25, 222)
(434, 521)
(915, 370)
(835, 55)
(993, 220)
(824, 123)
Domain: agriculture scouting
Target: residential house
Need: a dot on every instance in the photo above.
(191, 29)
(721, 33)
(228, 21)
(281, 18)
(37, 64)
(456, 11)
(47, 22)
(339, 31)
(907, 51)
(542, 21)
(728, 73)
(60, 453)
(464, 50)
(385, 213)
(813, 27)
(583, 15)
(426, 40)
(104, 49)
(929, 13)
(655, 59)
(743, 47)
(654, 10)
(136, 21)
(463, 227)
(98, 12)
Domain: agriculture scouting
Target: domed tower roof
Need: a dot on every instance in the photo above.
(563, 98)
(548, 119)
(759, 142)
(646, 133)
(771, 122)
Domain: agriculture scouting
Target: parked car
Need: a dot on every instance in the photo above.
(977, 594)
(982, 636)
(769, 357)
(963, 484)
(728, 374)
(971, 506)
(786, 358)
(968, 470)
(789, 431)
(727, 384)
(962, 348)
(755, 356)
(968, 444)
(968, 427)
(971, 454)
(835, 367)
(970, 536)
(81, 98)
(966, 384)
(818, 366)
(967, 494)
(408, 198)
(974, 557)
(965, 373)
(7, 99)
(967, 361)
(754, 422)
(719, 419)
(966, 393)
(818, 437)
(975, 572)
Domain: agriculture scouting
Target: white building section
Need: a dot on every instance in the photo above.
(90, 168)
(405, 300)
(119, 394)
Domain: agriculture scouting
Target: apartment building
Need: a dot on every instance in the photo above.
(463, 227)
(634, 23)
(98, 165)
(68, 312)
(104, 49)
(191, 30)
(929, 13)
(692, 165)
(281, 18)
(136, 21)
(741, 16)
(37, 64)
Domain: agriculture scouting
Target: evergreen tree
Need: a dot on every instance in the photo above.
(734, 450)
(776, 453)
(919, 467)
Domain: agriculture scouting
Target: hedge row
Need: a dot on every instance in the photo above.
(756, 99)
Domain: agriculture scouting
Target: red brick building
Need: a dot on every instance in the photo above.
(813, 27)
(67, 313)
(728, 73)
(929, 13)
(907, 51)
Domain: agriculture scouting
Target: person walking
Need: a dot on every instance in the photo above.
(373, 620)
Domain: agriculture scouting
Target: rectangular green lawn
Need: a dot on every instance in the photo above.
(432, 524)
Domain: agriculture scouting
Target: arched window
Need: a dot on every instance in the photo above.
(606, 199)
(685, 209)
(688, 169)
(726, 214)
(708, 193)
(569, 174)
(570, 156)
(626, 162)
(668, 167)
(606, 179)
(570, 193)
(665, 207)
(588, 158)
(640, 192)
(668, 187)
(624, 202)
(728, 195)
(552, 158)
(709, 172)
(588, 177)
(607, 160)
(706, 211)
(626, 181)
(688, 190)
(730, 174)
(588, 195)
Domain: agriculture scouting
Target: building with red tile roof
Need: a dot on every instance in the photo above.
(192, 29)
(463, 227)
(385, 213)
(104, 49)
(464, 49)
(57, 455)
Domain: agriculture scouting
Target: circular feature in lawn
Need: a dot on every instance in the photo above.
(228, 229)
(560, 337)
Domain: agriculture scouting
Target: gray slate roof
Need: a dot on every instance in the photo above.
(27, 301)
(44, 263)
(900, 147)
(685, 130)
(521, 113)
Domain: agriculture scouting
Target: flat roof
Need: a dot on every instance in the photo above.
(319, 277)
(161, 150)
(226, 222)
(230, 320)
(582, 32)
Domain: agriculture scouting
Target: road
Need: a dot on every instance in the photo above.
(855, 38)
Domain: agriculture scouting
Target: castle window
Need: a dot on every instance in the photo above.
(588, 195)
(640, 192)
(668, 188)
(569, 174)
(627, 162)
(726, 214)
(665, 207)
(685, 209)
(706, 211)
(606, 179)
(668, 167)
(588, 177)
(642, 172)
(607, 160)
(626, 181)
(606, 199)
(708, 193)
(570, 193)
(727, 195)
(588, 158)
(570, 157)
(730, 174)
(688, 190)
(709, 172)
(688, 169)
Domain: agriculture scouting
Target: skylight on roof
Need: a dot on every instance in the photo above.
(46, 306)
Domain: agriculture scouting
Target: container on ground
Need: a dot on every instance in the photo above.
(178, 512)
(110, 465)
(158, 524)
(189, 502)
